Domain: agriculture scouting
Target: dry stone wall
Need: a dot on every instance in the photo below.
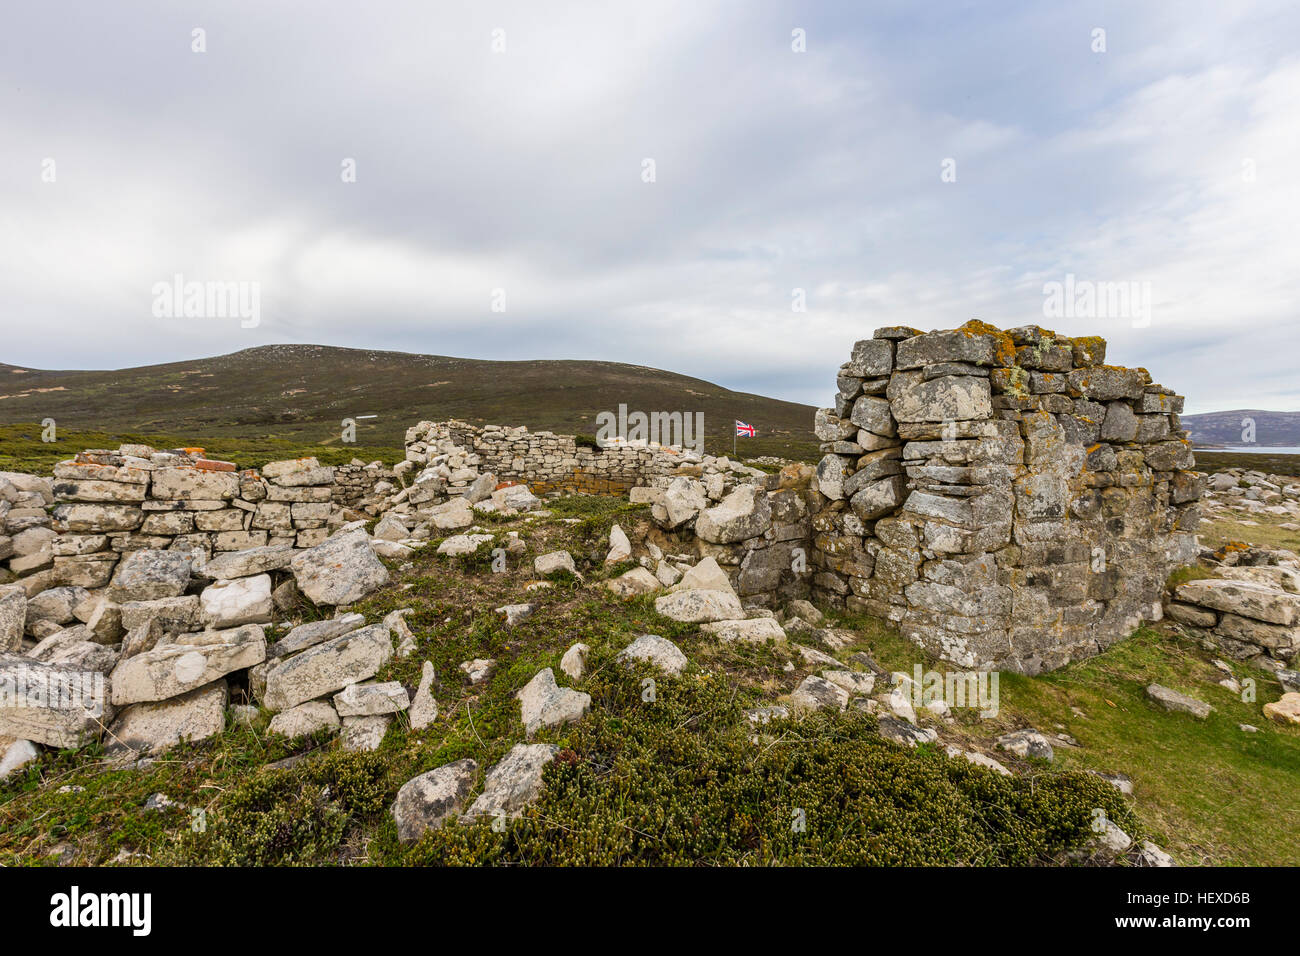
(1003, 496)
(545, 461)
(103, 504)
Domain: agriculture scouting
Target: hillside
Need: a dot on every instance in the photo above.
(1225, 428)
(301, 394)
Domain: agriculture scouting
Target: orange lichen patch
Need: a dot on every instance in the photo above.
(1004, 350)
(1094, 448)
(209, 464)
(196, 452)
(506, 484)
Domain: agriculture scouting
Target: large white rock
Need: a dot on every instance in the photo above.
(452, 515)
(696, 605)
(173, 669)
(342, 570)
(364, 733)
(361, 700)
(426, 802)
(545, 564)
(15, 755)
(659, 651)
(305, 719)
(461, 544)
(13, 616)
(242, 564)
(52, 704)
(633, 583)
(757, 630)
(513, 783)
(745, 513)
(1252, 599)
(682, 501)
(574, 661)
(620, 548)
(151, 728)
(543, 703)
(707, 575)
(328, 667)
(147, 575)
(237, 601)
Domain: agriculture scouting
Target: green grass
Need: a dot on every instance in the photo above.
(1212, 461)
(21, 448)
(682, 778)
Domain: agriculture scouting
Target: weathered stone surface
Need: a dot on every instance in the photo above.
(462, 544)
(328, 667)
(305, 719)
(1026, 743)
(543, 703)
(878, 498)
(244, 564)
(1173, 700)
(426, 802)
(633, 583)
(365, 732)
(51, 704)
(757, 630)
(1284, 710)
(424, 709)
(1245, 598)
(341, 571)
(513, 783)
(706, 575)
(173, 669)
(148, 575)
(553, 561)
(620, 548)
(361, 700)
(659, 651)
(817, 693)
(151, 728)
(16, 755)
(696, 605)
(315, 632)
(230, 603)
(574, 661)
(13, 617)
(682, 501)
(743, 514)
(173, 614)
(953, 398)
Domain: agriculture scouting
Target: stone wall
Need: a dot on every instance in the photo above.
(546, 461)
(1004, 497)
(108, 503)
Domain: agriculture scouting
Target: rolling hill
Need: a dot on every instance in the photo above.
(299, 395)
(1225, 428)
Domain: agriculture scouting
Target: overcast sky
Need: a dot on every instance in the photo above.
(1169, 160)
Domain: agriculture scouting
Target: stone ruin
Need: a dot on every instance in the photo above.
(1003, 496)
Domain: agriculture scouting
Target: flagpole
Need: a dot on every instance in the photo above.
(734, 431)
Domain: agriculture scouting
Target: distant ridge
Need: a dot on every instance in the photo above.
(303, 392)
(1226, 428)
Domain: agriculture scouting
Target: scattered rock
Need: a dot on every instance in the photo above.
(659, 651)
(513, 783)
(620, 548)
(305, 719)
(574, 661)
(174, 669)
(426, 802)
(1285, 710)
(424, 709)
(365, 733)
(554, 561)
(758, 630)
(17, 754)
(903, 731)
(517, 613)
(543, 703)
(817, 693)
(361, 700)
(479, 669)
(1173, 700)
(1026, 743)
(633, 583)
(342, 570)
(328, 667)
(696, 606)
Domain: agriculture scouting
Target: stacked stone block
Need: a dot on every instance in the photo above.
(546, 461)
(1005, 497)
(107, 503)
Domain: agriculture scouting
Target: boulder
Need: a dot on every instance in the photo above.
(244, 564)
(174, 669)
(1245, 598)
(147, 575)
(1173, 700)
(363, 700)
(554, 561)
(620, 548)
(1026, 743)
(462, 544)
(633, 583)
(305, 719)
(364, 733)
(328, 667)
(574, 661)
(342, 570)
(315, 632)
(426, 802)
(513, 783)
(1284, 710)
(659, 651)
(696, 605)
(15, 755)
(230, 603)
(453, 515)
(151, 728)
(682, 501)
(745, 513)
(13, 617)
(758, 630)
(817, 693)
(52, 704)
(543, 703)
(477, 670)
(707, 575)
(424, 709)
(903, 732)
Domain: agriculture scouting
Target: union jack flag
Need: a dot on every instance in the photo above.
(743, 430)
